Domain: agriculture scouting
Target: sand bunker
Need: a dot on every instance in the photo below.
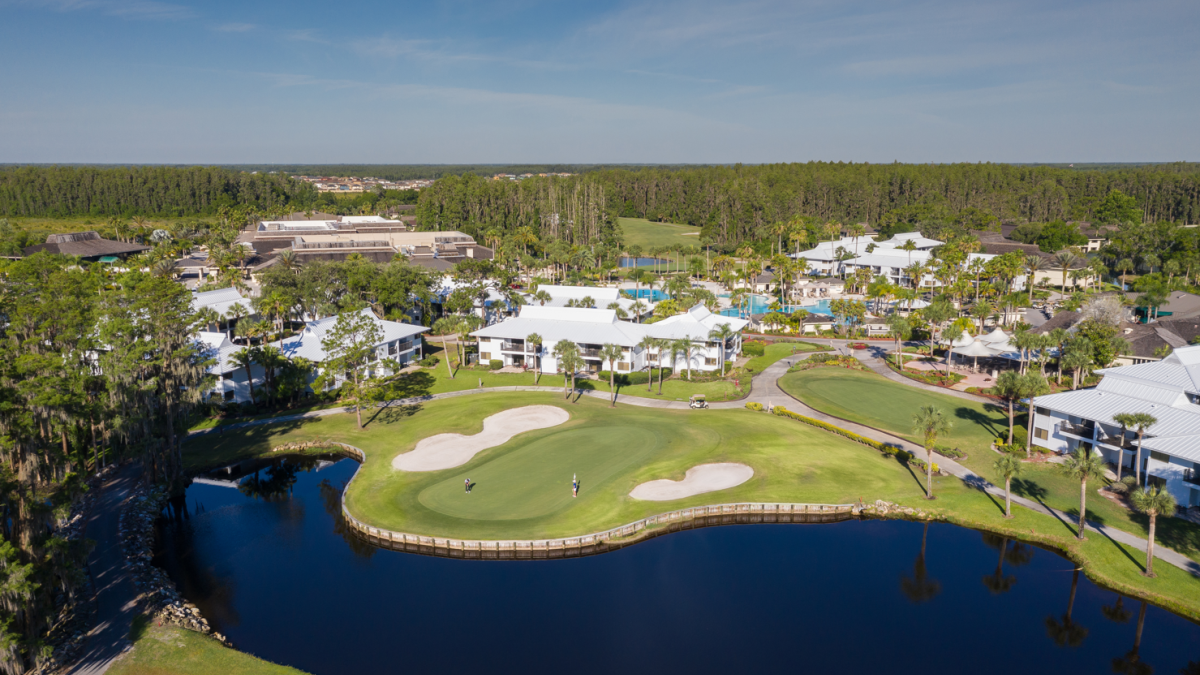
(445, 451)
(697, 481)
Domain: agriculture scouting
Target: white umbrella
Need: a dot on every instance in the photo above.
(997, 336)
(975, 349)
(962, 341)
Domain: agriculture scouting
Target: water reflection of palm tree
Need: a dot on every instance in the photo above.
(920, 588)
(1117, 612)
(1131, 663)
(1067, 633)
(276, 485)
(996, 582)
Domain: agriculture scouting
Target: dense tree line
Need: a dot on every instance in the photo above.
(92, 368)
(149, 191)
(735, 204)
(419, 171)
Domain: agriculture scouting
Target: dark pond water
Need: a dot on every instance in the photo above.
(270, 565)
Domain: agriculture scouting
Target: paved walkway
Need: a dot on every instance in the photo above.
(974, 480)
(114, 587)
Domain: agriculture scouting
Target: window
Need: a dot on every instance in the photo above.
(652, 358)
(485, 356)
(229, 396)
(1040, 433)
(710, 362)
(622, 365)
(1162, 457)
(1041, 411)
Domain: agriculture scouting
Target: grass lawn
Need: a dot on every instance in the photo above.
(646, 234)
(779, 350)
(870, 399)
(523, 488)
(174, 651)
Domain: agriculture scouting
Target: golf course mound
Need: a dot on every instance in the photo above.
(697, 481)
(446, 451)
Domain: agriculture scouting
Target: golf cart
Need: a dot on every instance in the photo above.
(697, 401)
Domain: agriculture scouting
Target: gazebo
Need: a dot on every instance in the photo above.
(976, 349)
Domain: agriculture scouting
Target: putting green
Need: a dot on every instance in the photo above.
(535, 479)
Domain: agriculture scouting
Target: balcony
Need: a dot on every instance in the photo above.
(590, 353)
(510, 346)
(1192, 477)
(1117, 441)
(1083, 430)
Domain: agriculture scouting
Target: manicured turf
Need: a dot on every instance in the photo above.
(875, 401)
(647, 234)
(523, 487)
(780, 350)
(169, 650)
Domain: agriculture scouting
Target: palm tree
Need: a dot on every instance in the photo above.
(618, 310)
(1126, 420)
(1033, 264)
(534, 340)
(1033, 385)
(1083, 465)
(908, 247)
(639, 308)
(675, 348)
(1007, 465)
(901, 330)
(1066, 259)
(1125, 266)
(1142, 422)
(1067, 633)
(1058, 338)
(1152, 501)
(541, 297)
(566, 353)
(612, 353)
(1009, 386)
(689, 350)
(662, 346)
(930, 422)
(287, 259)
(245, 358)
(647, 344)
(444, 326)
(722, 334)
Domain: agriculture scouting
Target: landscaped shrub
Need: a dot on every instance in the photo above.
(757, 407)
(428, 362)
(947, 451)
(902, 455)
(858, 345)
(754, 348)
(640, 377)
(495, 364)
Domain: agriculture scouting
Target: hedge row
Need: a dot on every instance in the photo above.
(902, 455)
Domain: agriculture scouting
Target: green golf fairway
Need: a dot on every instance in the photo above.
(873, 400)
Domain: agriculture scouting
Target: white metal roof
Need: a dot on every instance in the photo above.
(220, 348)
(308, 343)
(220, 300)
(1160, 391)
(600, 326)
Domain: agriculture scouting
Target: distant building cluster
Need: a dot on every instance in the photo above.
(523, 176)
(365, 184)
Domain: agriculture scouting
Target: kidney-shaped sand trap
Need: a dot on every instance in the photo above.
(445, 451)
(698, 480)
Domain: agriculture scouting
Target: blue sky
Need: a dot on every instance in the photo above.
(528, 81)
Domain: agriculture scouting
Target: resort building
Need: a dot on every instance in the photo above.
(823, 258)
(227, 303)
(1169, 390)
(400, 342)
(589, 329)
(232, 385)
(88, 246)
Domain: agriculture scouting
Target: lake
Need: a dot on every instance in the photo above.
(270, 564)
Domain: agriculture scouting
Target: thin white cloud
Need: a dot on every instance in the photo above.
(128, 9)
(235, 28)
(440, 51)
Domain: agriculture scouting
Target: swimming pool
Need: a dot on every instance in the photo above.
(651, 294)
(758, 304)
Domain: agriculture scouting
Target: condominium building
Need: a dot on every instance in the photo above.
(590, 329)
(1168, 390)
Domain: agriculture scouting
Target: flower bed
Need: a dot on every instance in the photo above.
(859, 345)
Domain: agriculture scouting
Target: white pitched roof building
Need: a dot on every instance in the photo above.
(1169, 390)
(603, 297)
(592, 328)
(399, 340)
(221, 301)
